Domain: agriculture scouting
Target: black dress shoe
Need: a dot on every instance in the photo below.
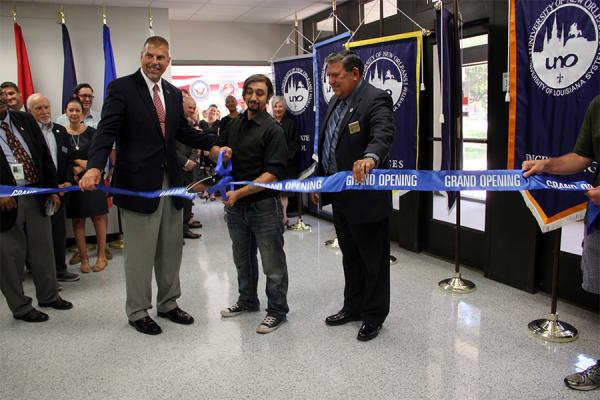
(368, 331)
(191, 235)
(34, 316)
(342, 317)
(178, 316)
(146, 325)
(58, 304)
(195, 224)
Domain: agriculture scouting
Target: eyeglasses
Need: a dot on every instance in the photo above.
(86, 96)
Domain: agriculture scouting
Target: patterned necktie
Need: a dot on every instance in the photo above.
(330, 142)
(20, 154)
(160, 110)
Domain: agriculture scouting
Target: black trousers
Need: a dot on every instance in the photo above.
(366, 252)
(59, 238)
(187, 178)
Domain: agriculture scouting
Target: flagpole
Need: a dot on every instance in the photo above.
(456, 284)
(551, 329)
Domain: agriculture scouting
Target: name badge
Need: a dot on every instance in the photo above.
(17, 171)
(354, 127)
(64, 149)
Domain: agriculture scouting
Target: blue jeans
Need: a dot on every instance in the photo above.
(259, 226)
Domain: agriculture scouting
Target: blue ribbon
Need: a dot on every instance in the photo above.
(448, 180)
(592, 217)
(452, 181)
(14, 191)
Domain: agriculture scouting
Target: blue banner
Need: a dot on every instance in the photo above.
(110, 72)
(392, 64)
(69, 76)
(294, 81)
(451, 90)
(322, 89)
(554, 62)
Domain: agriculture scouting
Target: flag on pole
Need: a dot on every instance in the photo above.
(69, 76)
(554, 56)
(393, 64)
(110, 72)
(24, 72)
(294, 80)
(450, 67)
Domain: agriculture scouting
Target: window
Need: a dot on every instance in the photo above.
(370, 10)
(324, 29)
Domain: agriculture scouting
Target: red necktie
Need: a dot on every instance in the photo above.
(160, 109)
(20, 154)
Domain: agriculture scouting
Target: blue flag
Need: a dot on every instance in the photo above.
(110, 72)
(555, 53)
(322, 89)
(392, 64)
(69, 76)
(451, 91)
(294, 81)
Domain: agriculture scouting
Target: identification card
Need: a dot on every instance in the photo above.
(354, 127)
(17, 171)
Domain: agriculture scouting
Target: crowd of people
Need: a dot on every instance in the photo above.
(169, 147)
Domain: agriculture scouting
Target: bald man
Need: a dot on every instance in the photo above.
(57, 139)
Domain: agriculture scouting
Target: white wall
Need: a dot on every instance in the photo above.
(228, 41)
(43, 37)
(190, 40)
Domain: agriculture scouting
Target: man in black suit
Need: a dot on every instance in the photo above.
(57, 140)
(25, 232)
(143, 113)
(356, 135)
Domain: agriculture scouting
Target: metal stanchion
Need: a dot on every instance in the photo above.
(299, 225)
(119, 243)
(551, 329)
(456, 284)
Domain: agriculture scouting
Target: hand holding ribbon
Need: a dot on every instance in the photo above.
(223, 171)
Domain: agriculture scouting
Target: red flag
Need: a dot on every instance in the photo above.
(25, 81)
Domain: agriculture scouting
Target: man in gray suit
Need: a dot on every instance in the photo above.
(143, 114)
(25, 231)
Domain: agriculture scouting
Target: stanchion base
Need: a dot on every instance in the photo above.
(332, 243)
(457, 285)
(393, 260)
(552, 330)
(117, 244)
(299, 226)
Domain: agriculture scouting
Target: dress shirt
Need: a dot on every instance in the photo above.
(48, 131)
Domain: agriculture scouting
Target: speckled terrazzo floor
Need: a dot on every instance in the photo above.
(433, 345)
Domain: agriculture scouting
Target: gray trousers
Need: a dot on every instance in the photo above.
(590, 262)
(152, 240)
(30, 238)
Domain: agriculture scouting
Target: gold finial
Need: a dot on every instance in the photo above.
(296, 20)
(61, 15)
(150, 18)
(334, 6)
(104, 15)
(14, 13)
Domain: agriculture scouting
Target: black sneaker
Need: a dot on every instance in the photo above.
(269, 324)
(67, 277)
(585, 380)
(235, 310)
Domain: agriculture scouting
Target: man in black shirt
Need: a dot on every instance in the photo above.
(256, 146)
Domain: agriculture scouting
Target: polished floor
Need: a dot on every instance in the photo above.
(433, 345)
